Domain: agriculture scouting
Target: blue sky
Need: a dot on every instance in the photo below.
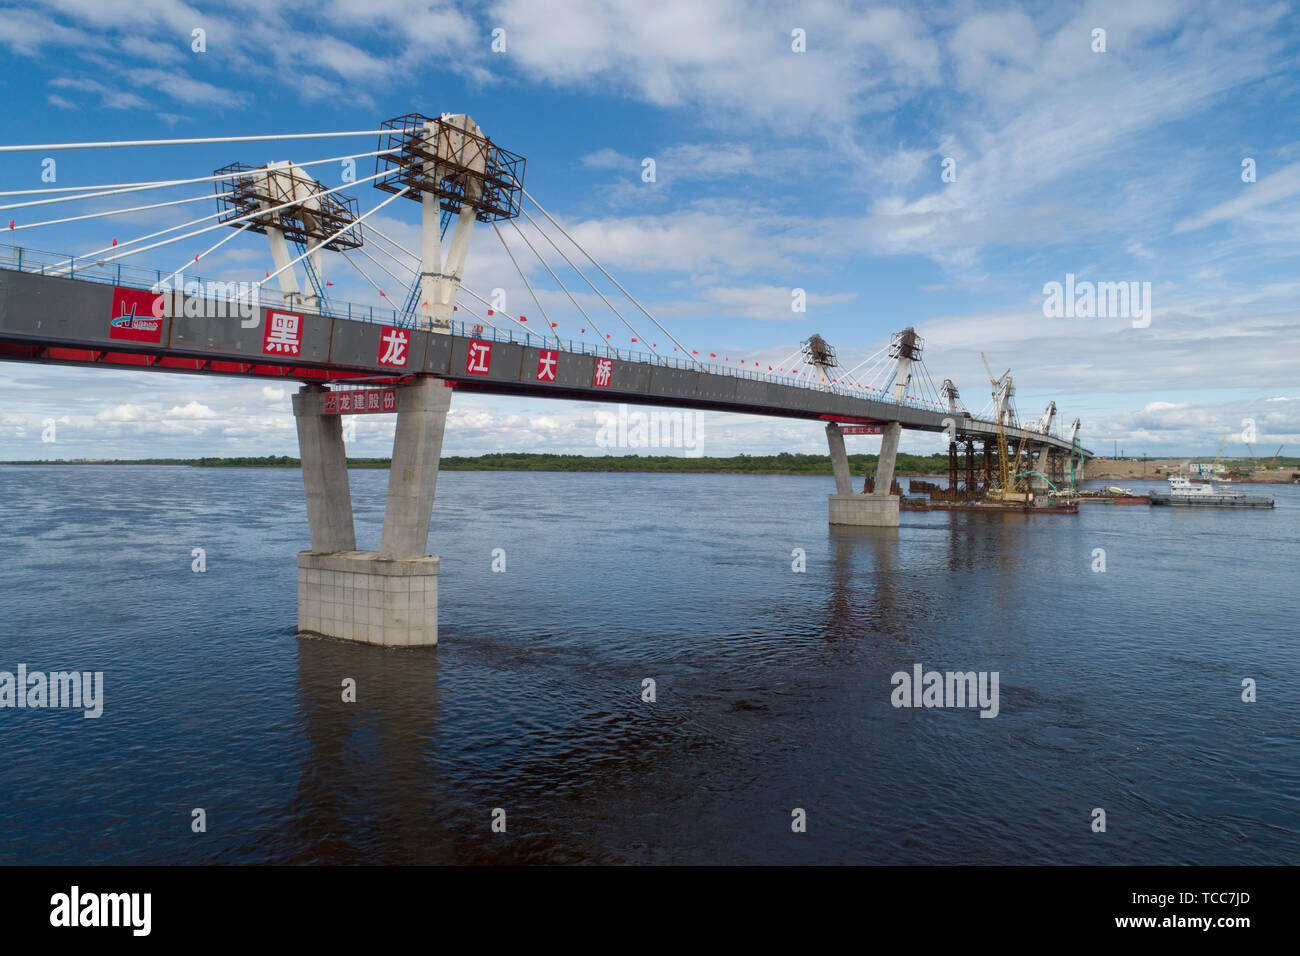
(775, 170)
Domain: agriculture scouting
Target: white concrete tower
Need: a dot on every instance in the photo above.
(288, 277)
(906, 347)
(287, 205)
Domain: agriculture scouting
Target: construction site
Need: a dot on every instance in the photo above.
(1006, 473)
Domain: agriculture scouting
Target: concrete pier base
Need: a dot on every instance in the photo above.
(360, 596)
(872, 511)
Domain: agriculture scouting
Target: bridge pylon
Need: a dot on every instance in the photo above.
(447, 165)
(286, 205)
(877, 508)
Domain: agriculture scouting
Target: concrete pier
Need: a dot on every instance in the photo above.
(888, 456)
(324, 473)
(879, 509)
(413, 477)
(839, 460)
(390, 596)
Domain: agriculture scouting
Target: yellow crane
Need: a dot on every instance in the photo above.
(1222, 445)
(1274, 461)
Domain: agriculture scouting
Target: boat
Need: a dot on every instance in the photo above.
(1187, 493)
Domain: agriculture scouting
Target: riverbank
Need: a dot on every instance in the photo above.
(1159, 469)
(782, 464)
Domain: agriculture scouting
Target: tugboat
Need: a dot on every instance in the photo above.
(1183, 491)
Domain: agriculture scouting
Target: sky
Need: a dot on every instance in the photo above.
(928, 165)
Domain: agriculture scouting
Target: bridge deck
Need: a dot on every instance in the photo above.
(69, 321)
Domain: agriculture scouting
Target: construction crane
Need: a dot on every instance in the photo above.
(1074, 449)
(1274, 461)
(1048, 417)
(1003, 389)
(1219, 457)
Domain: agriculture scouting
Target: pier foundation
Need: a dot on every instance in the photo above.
(389, 596)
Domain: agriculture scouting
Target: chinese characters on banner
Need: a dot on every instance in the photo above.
(283, 334)
(393, 347)
(546, 362)
(604, 368)
(862, 429)
(359, 401)
(479, 358)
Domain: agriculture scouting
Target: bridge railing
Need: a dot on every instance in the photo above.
(24, 259)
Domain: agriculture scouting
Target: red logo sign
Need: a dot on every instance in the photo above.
(479, 358)
(283, 334)
(604, 368)
(357, 401)
(136, 316)
(393, 347)
(546, 361)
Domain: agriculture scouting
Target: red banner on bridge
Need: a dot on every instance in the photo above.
(136, 316)
(359, 401)
(283, 334)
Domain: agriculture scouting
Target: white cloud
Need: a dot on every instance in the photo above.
(191, 410)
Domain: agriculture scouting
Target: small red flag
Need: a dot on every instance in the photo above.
(381, 292)
(554, 325)
(634, 340)
(327, 282)
(115, 242)
(489, 311)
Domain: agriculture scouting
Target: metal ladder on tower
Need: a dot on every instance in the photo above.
(317, 287)
(407, 318)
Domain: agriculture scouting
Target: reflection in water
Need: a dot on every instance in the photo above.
(366, 790)
(863, 587)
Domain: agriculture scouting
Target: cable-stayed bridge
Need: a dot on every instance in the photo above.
(409, 351)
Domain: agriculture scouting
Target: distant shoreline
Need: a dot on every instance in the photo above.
(786, 463)
(782, 464)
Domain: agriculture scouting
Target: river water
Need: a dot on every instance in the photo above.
(1119, 690)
